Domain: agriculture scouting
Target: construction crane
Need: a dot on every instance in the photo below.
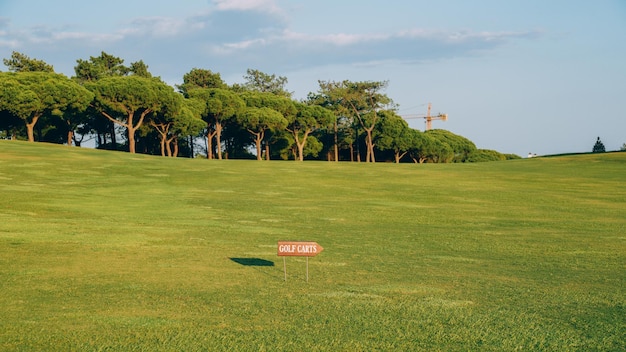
(429, 119)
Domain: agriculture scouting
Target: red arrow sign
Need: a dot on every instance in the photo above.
(298, 249)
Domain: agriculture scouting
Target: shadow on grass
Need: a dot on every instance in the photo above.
(252, 261)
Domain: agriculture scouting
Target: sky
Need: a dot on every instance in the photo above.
(516, 76)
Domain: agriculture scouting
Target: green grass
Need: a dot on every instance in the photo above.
(110, 251)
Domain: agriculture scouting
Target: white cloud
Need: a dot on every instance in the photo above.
(158, 26)
(245, 44)
(247, 5)
(240, 34)
(339, 39)
(8, 43)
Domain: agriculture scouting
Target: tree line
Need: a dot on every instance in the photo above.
(123, 107)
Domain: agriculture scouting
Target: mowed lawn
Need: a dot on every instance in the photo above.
(105, 250)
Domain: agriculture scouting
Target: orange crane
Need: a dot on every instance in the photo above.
(429, 119)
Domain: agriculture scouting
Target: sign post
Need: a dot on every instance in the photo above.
(298, 249)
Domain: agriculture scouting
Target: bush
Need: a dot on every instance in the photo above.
(481, 155)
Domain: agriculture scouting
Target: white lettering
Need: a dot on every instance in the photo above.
(287, 248)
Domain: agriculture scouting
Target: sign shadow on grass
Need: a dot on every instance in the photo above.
(252, 261)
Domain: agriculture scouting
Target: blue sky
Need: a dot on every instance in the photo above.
(517, 76)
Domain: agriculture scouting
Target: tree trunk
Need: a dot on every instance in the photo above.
(301, 144)
(369, 145)
(70, 135)
(351, 152)
(172, 146)
(399, 156)
(135, 127)
(163, 140)
(218, 136)
(30, 128)
(209, 149)
(299, 155)
(336, 142)
(300, 151)
(162, 129)
(258, 138)
(175, 142)
(131, 140)
(168, 146)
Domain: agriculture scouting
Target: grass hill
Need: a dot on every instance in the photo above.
(111, 251)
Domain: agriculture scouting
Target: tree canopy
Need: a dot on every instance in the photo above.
(200, 78)
(109, 101)
(461, 146)
(22, 63)
(218, 107)
(129, 100)
(263, 82)
(307, 119)
(396, 135)
(30, 95)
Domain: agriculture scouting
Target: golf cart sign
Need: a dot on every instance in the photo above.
(298, 249)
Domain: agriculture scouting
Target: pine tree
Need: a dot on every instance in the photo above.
(598, 147)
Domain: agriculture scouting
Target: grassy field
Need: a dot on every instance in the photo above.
(111, 251)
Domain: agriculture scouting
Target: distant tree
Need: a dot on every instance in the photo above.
(102, 66)
(426, 148)
(307, 119)
(200, 78)
(511, 156)
(461, 146)
(127, 101)
(394, 134)
(187, 126)
(22, 63)
(140, 69)
(257, 121)
(30, 95)
(281, 104)
(340, 135)
(481, 155)
(170, 125)
(99, 67)
(361, 101)
(218, 107)
(73, 117)
(598, 147)
(237, 140)
(623, 148)
(258, 81)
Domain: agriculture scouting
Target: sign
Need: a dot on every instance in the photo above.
(298, 249)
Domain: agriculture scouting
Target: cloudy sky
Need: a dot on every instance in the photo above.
(517, 76)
